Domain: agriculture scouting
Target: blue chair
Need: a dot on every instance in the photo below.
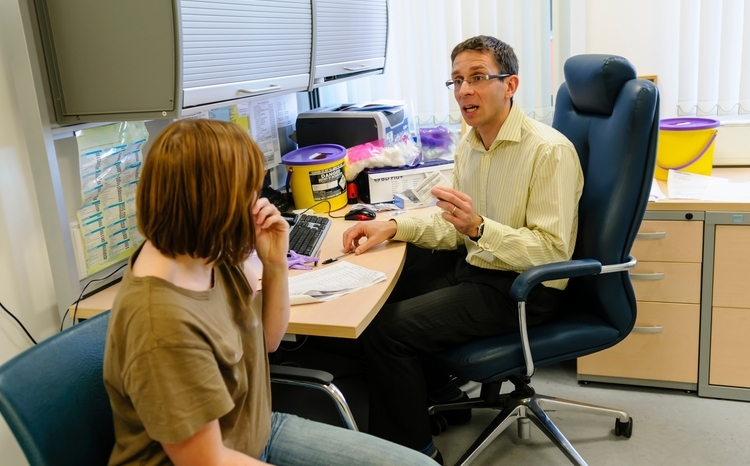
(612, 118)
(54, 401)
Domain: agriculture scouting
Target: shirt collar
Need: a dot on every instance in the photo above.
(510, 131)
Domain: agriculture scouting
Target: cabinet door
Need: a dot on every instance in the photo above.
(236, 49)
(730, 317)
(350, 38)
(730, 347)
(662, 346)
(732, 266)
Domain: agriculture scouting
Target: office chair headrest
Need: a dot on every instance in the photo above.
(594, 81)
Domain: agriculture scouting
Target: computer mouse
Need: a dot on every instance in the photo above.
(360, 214)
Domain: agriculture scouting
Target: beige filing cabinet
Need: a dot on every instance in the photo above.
(662, 349)
(730, 345)
(692, 286)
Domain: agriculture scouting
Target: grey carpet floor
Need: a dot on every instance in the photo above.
(671, 428)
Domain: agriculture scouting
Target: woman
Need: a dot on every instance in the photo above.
(185, 365)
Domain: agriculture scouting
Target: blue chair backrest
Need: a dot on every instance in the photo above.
(53, 398)
(612, 118)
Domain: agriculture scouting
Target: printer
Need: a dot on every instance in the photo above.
(350, 125)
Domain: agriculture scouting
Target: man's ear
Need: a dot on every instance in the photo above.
(511, 86)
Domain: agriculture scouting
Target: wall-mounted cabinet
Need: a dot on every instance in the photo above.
(349, 39)
(150, 59)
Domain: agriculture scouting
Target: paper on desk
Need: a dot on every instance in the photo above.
(683, 185)
(331, 282)
(656, 194)
(706, 188)
(423, 189)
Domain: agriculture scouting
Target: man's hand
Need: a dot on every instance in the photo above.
(271, 234)
(375, 233)
(458, 210)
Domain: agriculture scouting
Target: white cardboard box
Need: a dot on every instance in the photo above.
(384, 184)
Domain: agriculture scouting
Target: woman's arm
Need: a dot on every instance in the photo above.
(272, 242)
(205, 448)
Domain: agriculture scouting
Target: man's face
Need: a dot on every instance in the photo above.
(481, 104)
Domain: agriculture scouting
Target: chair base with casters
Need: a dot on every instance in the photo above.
(522, 405)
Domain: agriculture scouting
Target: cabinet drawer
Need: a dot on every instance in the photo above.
(671, 241)
(667, 282)
(730, 347)
(732, 266)
(662, 346)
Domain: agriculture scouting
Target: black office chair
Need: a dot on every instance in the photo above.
(612, 118)
(53, 398)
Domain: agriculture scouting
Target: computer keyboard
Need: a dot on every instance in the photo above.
(307, 234)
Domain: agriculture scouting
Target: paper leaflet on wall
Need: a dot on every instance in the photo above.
(110, 161)
(261, 119)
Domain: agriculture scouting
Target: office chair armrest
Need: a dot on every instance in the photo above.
(300, 374)
(523, 284)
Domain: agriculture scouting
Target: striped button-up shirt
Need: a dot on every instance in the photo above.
(526, 187)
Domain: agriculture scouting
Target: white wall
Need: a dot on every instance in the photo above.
(646, 32)
(26, 287)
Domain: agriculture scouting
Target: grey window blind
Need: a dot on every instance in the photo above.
(227, 41)
(350, 30)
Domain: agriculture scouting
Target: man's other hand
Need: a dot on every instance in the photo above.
(458, 210)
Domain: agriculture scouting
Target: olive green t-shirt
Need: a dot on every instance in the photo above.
(176, 359)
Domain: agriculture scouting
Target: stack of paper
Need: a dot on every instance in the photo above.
(683, 185)
(331, 282)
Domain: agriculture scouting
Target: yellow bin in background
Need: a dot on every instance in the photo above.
(315, 176)
(685, 144)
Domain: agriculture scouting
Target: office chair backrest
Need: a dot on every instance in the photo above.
(612, 118)
(53, 398)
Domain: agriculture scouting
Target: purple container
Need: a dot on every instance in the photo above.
(687, 124)
(316, 154)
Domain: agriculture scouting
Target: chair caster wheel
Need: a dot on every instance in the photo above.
(438, 424)
(624, 428)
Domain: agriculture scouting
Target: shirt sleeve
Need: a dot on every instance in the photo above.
(176, 391)
(551, 212)
(429, 233)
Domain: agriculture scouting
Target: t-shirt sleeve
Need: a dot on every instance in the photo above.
(176, 391)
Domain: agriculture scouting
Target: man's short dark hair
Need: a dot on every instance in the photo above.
(503, 53)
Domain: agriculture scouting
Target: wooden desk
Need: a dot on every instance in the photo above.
(735, 174)
(346, 316)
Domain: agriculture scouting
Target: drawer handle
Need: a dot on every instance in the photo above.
(654, 235)
(647, 276)
(361, 67)
(654, 329)
(272, 87)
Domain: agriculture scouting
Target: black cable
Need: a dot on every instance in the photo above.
(19, 323)
(296, 347)
(327, 213)
(75, 310)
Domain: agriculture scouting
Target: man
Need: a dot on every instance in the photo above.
(513, 205)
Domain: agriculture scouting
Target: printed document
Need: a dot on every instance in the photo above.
(684, 185)
(331, 282)
(423, 190)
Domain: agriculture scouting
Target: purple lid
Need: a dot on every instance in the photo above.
(687, 124)
(314, 155)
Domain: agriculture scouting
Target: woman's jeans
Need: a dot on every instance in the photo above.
(300, 442)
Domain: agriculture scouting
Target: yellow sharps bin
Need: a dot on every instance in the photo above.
(315, 175)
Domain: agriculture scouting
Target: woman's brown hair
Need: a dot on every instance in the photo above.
(198, 185)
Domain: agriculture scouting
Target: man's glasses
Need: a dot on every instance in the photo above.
(455, 84)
